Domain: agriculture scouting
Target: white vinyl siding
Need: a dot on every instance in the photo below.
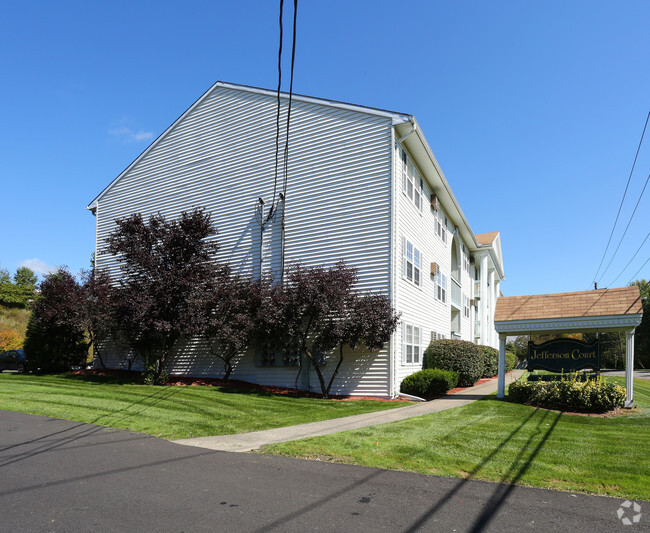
(220, 156)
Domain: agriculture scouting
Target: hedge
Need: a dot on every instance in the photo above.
(462, 357)
(490, 361)
(593, 395)
(429, 382)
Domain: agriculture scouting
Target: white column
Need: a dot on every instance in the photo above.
(493, 299)
(484, 296)
(502, 366)
(629, 369)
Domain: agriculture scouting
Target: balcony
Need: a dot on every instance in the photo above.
(477, 290)
(456, 300)
(477, 329)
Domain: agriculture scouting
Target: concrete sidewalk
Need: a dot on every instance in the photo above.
(245, 442)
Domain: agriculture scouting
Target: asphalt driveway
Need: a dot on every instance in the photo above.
(61, 476)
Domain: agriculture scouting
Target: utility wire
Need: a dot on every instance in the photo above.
(286, 144)
(277, 119)
(630, 261)
(623, 199)
(626, 227)
(644, 264)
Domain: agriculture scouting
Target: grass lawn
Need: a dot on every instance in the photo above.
(172, 412)
(510, 443)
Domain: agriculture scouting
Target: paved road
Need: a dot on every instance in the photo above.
(60, 476)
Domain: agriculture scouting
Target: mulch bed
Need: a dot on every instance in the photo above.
(231, 383)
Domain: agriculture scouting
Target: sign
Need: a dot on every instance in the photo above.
(563, 355)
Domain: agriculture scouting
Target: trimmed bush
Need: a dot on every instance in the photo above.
(429, 382)
(462, 357)
(591, 396)
(490, 361)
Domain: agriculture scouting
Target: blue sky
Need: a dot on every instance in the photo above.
(533, 109)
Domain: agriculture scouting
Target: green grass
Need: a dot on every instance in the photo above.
(510, 443)
(172, 412)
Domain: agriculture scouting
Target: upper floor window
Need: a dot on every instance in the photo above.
(412, 262)
(412, 182)
(465, 306)
(465, 254)
(441, 286)
(441, 225)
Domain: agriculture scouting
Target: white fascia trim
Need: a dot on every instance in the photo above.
(397, 118)
(612, 322)
(466, 231)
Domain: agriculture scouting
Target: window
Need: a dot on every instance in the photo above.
(411, 344)
(465, 259)
(441, 286)
(441, 225)
(412, 262)
(412, 182)
(465, 306)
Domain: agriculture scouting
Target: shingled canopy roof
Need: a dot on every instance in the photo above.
(602, 302)
(601, 310)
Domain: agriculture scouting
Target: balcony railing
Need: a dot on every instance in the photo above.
(477, 290)
(477, 329)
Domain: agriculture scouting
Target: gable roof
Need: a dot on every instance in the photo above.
(396, 118)
(487, 238)
(602, 302)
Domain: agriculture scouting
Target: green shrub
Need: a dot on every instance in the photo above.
(511, 361)
(462, 357)
(429, 382)
(569, 394)
(490, 361)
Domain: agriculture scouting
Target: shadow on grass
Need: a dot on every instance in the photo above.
(87, 429)
(509, 479)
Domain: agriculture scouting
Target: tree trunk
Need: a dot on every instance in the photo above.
(336, 370)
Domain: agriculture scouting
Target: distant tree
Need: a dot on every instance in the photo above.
(323, 311)
(10, 339)
(166, 266)
(642, 334)
(55, 339)
(19, 292)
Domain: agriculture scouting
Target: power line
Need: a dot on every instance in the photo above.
(623, 199)
(626, 227)
(277, 117)
(644, 264)
(630, 261)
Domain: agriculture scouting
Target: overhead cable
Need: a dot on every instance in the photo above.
(630, 261)
(623, 199)
(626, 227)
(635, 274)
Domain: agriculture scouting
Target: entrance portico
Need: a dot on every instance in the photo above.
(600, 310)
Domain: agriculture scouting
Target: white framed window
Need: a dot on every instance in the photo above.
(412, 262)
(412, 182)
(411, 344)
(441, 286)
(465, 254)
(465, 306)
(441, 225)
